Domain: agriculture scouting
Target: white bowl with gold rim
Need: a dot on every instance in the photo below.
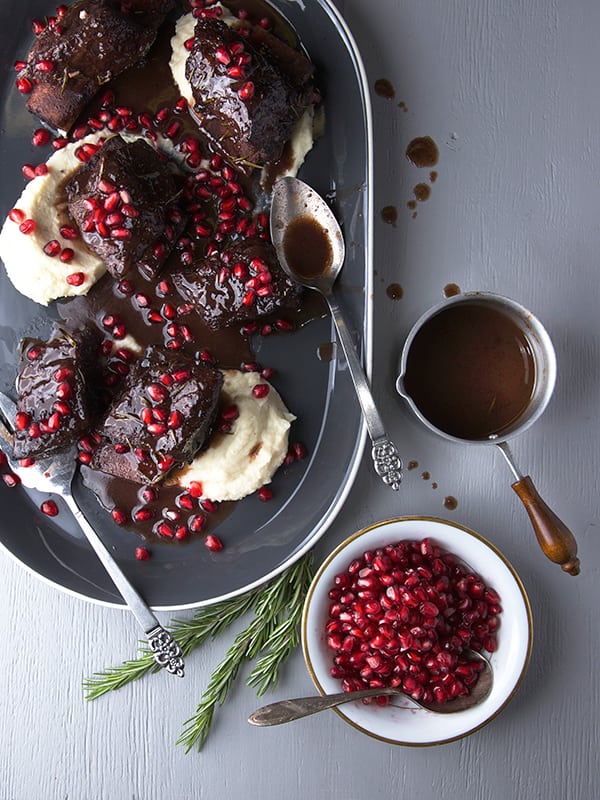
(402, 722)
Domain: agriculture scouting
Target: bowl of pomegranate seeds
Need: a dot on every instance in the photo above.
(404, 603)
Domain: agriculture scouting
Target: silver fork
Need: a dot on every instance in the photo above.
(55, 475)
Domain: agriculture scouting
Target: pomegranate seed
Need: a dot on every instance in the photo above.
(246, 91)
(284, 325)
(165, 530)
(265, 494)
(16, 215)
(68, 232)
(85, 458)
(62, 408)
(222, 55)
(195, 489)
(165, 463)
(22, 420)
(27, 227)
(142, 553)
(185, 501)
(64, 391)
(143, 514)
(11, 480)
(24, 85)
(213, 543)
(157, 392)
(46, 66)
(261, 390)
(196, 523)
(52, 248)
(49, 508)
(75, 278)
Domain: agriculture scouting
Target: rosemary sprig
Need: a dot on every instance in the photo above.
(273, 631)
(277, 603)
(205, 624)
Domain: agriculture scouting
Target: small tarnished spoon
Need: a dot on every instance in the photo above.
(310, 248)
(289, 710)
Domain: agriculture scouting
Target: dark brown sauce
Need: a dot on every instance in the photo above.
(384, 88)
(450, 503)
(451, 289)
(425, 475)
(433, 176)
(412, 204)
(394, 291)
(326, 352)
(423, 152)
(412, 465)
(422, 192)
(470, 371)
(403, 106)
(434, 485)
(389, 214)
(307, 247)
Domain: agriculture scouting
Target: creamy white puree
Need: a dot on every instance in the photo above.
(33, 273)
(236, 464)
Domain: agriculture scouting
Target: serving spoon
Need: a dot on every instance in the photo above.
(310, 248)
(289, 710)
(55, 475)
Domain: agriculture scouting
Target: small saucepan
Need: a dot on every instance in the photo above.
(480, 368)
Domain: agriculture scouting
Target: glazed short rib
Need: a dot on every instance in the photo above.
(87, 45)
(124, 201)
(56, 384)
(245, 282)
(161, 418)
(249, 89)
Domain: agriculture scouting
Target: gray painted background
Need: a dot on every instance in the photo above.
(510, 92)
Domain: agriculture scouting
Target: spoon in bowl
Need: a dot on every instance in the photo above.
(310, 248)
(289, 710)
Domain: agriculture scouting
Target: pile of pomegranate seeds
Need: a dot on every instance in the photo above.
(402, 616)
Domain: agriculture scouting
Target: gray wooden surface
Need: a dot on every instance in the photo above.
(509, 91)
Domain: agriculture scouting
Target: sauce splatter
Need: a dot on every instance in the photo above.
(422, 192)
(389, 214)
(394, 291)
(423, 152)
(384, 88)
(450, 503)
(451, 290)
(412, 465)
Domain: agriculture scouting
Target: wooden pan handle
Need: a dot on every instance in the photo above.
(555, 539)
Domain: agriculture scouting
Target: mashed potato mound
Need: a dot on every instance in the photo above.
(238, 463)
(33, 273)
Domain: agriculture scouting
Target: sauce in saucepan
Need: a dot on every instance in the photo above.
(470, 371)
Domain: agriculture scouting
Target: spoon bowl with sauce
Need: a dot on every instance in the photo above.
(310, 248)
(480, 368)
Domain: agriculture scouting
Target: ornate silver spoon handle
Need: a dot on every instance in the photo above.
(165, 649)
(386, 460)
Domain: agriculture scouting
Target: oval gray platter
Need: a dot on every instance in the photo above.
(261, 539)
